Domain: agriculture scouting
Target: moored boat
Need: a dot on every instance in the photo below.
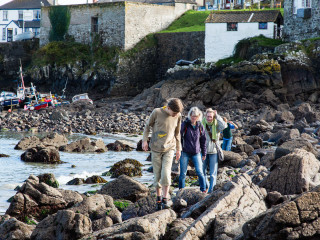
(8, 99)
(82, 98)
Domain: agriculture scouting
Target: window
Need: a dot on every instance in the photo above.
(5, 15)
(263, 25)
(20, 15)
(36, 14)
(15, 31)
(300, 4)
(94, 24)
(3, 34)
(232, 26)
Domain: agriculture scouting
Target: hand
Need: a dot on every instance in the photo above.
(203, 158)
(145, 146)
(178, 155)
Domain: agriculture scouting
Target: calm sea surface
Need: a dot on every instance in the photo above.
(13, 171)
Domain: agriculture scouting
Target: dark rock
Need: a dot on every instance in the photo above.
(125, 187)
(85, 145)
(95, 179)
(255, 141)
(120, 145)
(248, 149)
(297, 219)
(291, 145)
(49, 179)
(129, 167)
(76, 181)
(37, 199)
(177, 227)
(42, 154)
(139, 145)
(15, 229)
(65, 224)
(141, 208)
(293, 173)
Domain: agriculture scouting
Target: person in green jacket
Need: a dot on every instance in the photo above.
(227, 135)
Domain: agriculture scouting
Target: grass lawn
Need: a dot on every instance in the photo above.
(192, 21)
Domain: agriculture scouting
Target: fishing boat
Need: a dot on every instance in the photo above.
(8, 99)
(40, 105)
(82, 98)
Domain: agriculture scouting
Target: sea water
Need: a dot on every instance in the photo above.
(13, 171)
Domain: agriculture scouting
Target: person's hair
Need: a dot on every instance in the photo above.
(195, 111)
(209, 110)
(175, 104)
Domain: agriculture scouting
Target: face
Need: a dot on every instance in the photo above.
(194, 118)
(209, 116)
(172, 113)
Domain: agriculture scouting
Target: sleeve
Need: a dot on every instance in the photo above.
(231, 126)
(149, 124)
(177, 135)
(221, 124)
(203, 139)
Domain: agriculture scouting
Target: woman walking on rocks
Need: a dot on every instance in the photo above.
(213, 125)
(193, 145)
(227, 134)
(165, 124)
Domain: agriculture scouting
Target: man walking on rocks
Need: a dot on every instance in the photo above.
(165, 124)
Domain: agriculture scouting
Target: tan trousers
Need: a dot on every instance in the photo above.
(162, 164)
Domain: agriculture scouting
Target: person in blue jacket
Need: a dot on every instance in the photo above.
(227, 135)
(193, 140)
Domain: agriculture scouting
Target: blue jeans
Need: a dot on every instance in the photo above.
(197, 161)
(226, 145)
(212, 161)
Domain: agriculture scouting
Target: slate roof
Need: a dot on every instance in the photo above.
(28, 24)
(244, 16)
(25, 4)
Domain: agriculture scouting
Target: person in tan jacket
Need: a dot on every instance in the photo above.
(165, 124)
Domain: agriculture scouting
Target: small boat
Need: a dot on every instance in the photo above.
(40, 105)
(8, 99)
(23, 36)
(82, 98)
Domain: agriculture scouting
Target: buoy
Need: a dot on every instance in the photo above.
(9, 110)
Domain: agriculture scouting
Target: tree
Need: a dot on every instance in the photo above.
(60, 20)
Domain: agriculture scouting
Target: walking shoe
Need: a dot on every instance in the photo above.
(166, 204)
(159, 205)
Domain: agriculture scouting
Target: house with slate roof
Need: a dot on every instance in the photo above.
(20, 16)
(225, 29)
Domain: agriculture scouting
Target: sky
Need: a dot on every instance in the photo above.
(61, 2)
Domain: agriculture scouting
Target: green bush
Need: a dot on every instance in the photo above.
(60, 20)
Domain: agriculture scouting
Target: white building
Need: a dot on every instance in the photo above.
(225, 29)
(20, 16)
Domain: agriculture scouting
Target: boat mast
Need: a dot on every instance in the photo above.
(21, 76)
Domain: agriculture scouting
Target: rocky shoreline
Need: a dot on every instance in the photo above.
(267, 187)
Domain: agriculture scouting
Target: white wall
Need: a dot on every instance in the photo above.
(219, 43)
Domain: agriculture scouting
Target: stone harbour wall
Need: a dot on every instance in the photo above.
(121, 24)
